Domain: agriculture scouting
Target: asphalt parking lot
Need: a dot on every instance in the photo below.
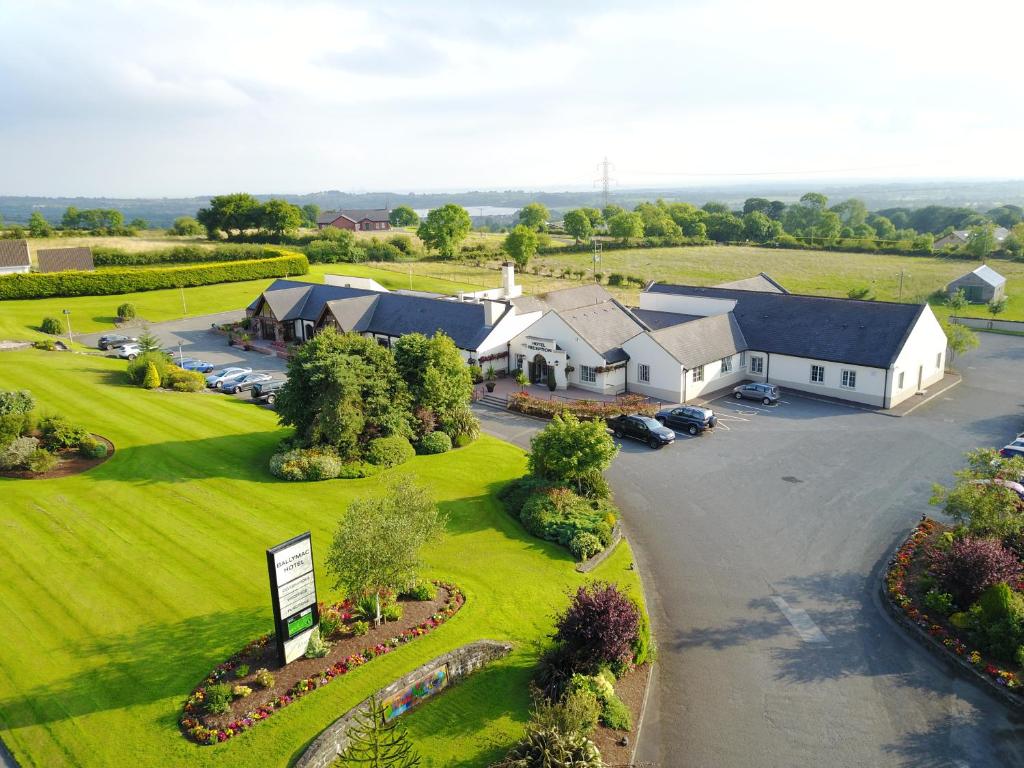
(761, 547)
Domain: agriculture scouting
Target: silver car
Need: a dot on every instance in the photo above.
(767, 393)
(217, 378)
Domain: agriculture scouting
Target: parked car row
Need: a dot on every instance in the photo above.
(1014, 448)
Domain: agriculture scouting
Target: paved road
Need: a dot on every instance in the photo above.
(761, 546)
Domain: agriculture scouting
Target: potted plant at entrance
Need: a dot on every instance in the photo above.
(552, 382)
(492, 377)
(521, 379)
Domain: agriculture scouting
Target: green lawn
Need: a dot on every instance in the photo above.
(122, 587)
(20, 319)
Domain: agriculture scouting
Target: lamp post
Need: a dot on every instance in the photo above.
(67, 316)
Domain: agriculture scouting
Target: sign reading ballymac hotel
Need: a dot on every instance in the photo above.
(293, 592)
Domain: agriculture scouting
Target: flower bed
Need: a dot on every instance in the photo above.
(908, 565)
(582, 409)
(309, 674)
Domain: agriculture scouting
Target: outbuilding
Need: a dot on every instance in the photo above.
(14, 257)
(78, 259)
(980, 285)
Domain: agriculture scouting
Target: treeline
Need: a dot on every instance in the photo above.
(94, 221)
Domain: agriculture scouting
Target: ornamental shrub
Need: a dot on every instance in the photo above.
(544, 746)
(217, 699)
(306, 464)
(389, 451)
(241, 670)
(435, 442)
(599, 626)
(92, 448)
(585, 545)
(515, 493)
(181, 380)
(360, 628)
(241, 691)
(50, 325)
(422, 591)
(938, 602)
(330, 623)
(138, 367)
(615, 714)
(644, 650)
(264, 677)
(47, 345)
(555, 669)
(353, 470)
(15, 415)
(126, 311)
(577, 711)
(40, 460)
(972, 564)
(17, 453)
(377, 250)
(392, 611)
(152, 378)
(998, 621)
(460, 425)
(317, 648)
(58, 433)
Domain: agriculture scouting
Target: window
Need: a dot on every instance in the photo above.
(727, 364)
(743, 359)
(698, 373)
(588, 374)
(384, 341)
(643, 373)
(817, 374)
(900, 385)
(850, 379)
(756, 364)
(938, 360)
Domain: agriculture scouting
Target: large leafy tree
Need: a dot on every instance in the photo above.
(433, 370)
(626, 226)
(724, 227)
(276, 217)
(229, 213)
(185, 226)
(657, 220)
(568, 450)
(343, 390)
(521, 245)
(377, 544)
(959, 339)
(444, 229)
(534, 216)
(374, 742)
(38, 226)
(310, 213)
(578, 224)
(979, 499)
(981, 241)
(758, 228)
(403, 216)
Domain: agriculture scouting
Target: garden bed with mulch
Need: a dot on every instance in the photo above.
(290, 683)
(631, 688)
(69, 462)
(904, 590)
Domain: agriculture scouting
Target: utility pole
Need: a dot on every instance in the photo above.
(597, 256)
(184, 306)
(604, 180)
(67, 316)
(900, 296)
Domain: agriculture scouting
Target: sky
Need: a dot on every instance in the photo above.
(194, 97)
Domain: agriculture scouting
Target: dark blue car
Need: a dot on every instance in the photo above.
(196, 365)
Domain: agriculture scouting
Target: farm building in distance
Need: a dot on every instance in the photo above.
(960, 237)
(374, 220)
(14, 257)
(980, 286)
(64, 259)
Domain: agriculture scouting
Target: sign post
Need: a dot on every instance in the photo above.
(293, 593)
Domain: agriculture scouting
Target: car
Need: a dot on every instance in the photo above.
(266, 391)
(687, 418)
(127, 351)
(768, 394)
(216, 378)
(642, 428)
(191, 364)
(242, 383)
(112, 340)
(1012, 450)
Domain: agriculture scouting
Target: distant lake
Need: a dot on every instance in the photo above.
(477, 210)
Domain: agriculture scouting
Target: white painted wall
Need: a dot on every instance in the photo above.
(666, 373)
(15, 270)
(923, 352)
(508, 328)
(795, 373)
(578, 353)
(362, 283)
(714, 379)
(686, 305)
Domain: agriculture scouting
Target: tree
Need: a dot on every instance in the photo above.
(444, 229)
(70, 220)
(884, 229)
(186, 226)
(310, 214)
(957, 302)
(568, 450)
(1007, 215)
(226, 213)
(712, 206)
(376, 546)
(152, 377)
(997, 306)
(343, 390)
(595, 216)
(534, 216)
(657, 220)
(434, 372)
(814, 200)
(626, 225)
(758, 228)
(276, 217)
(851, 213)
(610, 211)
(724, 227)
(756, 204)
(970, 565)
(979, 500)
(600, 626)
(403, 216)
(374, 742)
(578, 224)
(148, 342)
(38, 226)
(138, 223)
(959, 338)
(521, 245)
(981, 241)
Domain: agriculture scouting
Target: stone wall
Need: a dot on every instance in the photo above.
(461, 663)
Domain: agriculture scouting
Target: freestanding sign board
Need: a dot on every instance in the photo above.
(293, 592)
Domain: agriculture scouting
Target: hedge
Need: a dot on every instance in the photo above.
(40, 285)
(582, 409)
(107, 256)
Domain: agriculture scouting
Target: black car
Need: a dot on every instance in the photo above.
(642, 428)
(766, 393)
(266, 391)
(687, 418)
(114, 340)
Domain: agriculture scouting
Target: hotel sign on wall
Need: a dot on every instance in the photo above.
(293, 592)
(540, 345)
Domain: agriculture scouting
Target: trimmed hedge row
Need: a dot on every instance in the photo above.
(107, 256)
(39, 285)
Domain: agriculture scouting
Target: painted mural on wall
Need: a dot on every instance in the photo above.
(433, 682)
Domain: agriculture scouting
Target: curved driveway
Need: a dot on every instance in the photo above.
(761, 546)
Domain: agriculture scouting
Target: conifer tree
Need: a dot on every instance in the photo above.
(376, 743)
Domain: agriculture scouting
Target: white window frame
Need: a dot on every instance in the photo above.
(643, 373)
(698, 374)
(756, 364)
(727, 364)
(849, 379)
(817, 374)
(588, 375)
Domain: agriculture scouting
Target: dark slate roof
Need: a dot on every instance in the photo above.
(605, 327)
(759, 282)
(566, 298)
(702, 341)
(869, 333)
(373, 214)
(656, 320)
(14, 253)
(391, 314)
(64, 259)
